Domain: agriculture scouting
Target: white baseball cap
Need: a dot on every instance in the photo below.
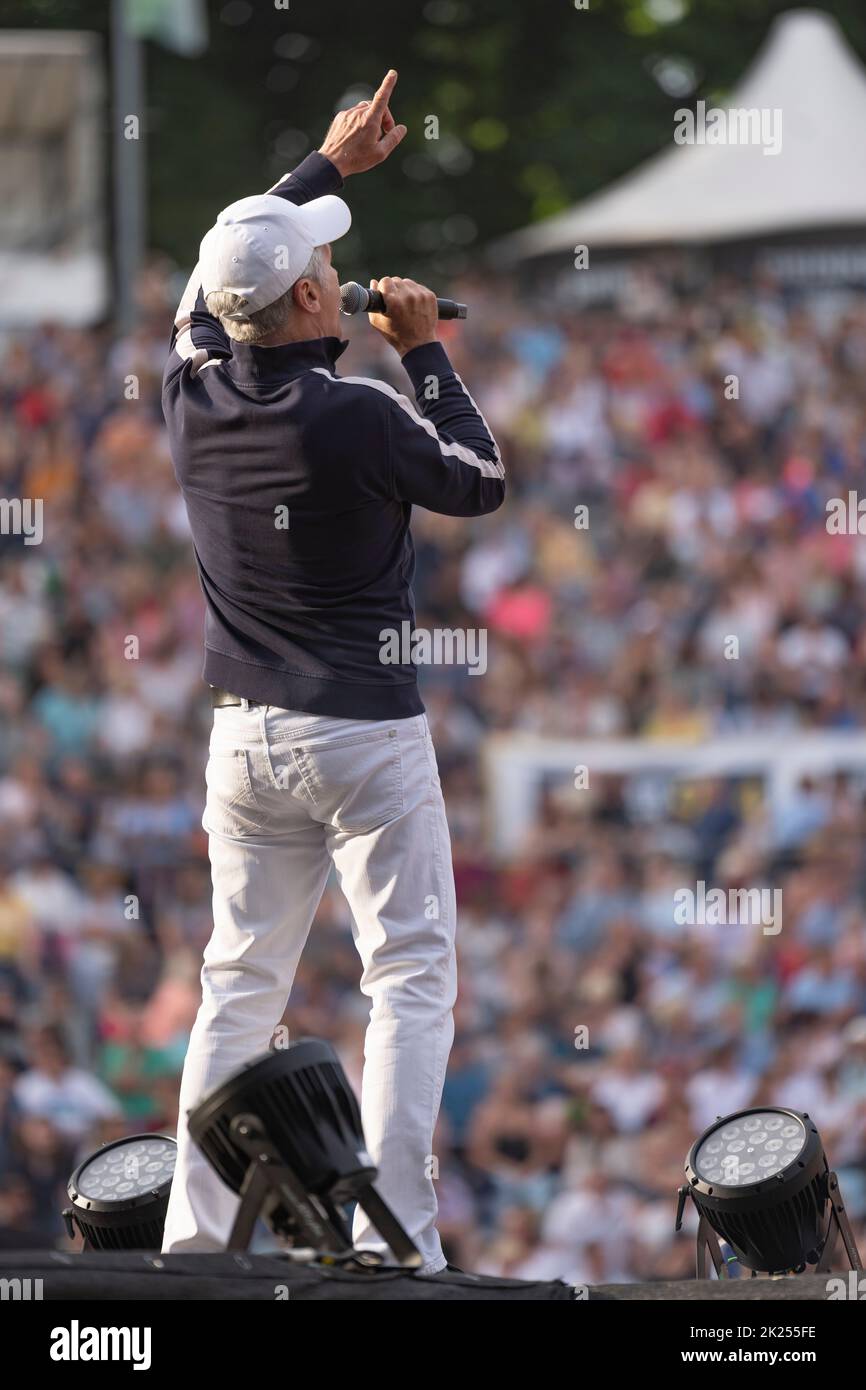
(258, 247)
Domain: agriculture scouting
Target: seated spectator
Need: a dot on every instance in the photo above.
(53, 1089)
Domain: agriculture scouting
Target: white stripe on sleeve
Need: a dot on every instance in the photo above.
(487, 467)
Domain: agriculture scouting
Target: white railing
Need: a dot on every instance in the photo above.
(516, 764)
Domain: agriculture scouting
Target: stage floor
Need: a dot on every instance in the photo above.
(97, 1277)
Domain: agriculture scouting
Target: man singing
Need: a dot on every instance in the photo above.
(299, 486)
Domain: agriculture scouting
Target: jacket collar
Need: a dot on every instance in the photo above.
(249, 363)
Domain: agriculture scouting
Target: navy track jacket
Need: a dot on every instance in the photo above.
(299, 487)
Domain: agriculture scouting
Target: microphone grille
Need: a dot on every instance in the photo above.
(351, 297)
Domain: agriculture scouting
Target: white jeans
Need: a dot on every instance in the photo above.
(288, 794)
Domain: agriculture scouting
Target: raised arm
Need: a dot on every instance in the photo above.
(443, 454)
(358, 139)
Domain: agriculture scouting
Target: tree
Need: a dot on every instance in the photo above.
(514, 109)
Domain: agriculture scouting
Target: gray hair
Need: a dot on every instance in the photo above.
(264, 321)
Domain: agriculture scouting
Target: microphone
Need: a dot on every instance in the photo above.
(354, 299)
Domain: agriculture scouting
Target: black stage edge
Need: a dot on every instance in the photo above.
(97, 1277)
(138, 1277)
(801, 1288)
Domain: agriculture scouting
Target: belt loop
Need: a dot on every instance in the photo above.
(245, 704)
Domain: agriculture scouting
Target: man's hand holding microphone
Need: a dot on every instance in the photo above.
(412, 317)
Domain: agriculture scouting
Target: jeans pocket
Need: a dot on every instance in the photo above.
(355, 783)
(230, 799)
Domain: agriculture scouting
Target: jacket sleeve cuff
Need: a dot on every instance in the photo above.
(318, 175)
(430, 359)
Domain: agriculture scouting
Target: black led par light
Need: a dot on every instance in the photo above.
(285, 1133)
(119, 1194)
(761, 1182)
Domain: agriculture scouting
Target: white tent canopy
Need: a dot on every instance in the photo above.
(694, 193)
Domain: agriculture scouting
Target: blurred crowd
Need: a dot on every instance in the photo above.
(669, 459)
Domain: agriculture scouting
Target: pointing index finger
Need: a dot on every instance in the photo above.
(380, 100)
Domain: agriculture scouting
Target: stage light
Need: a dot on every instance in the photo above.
(285, 1133)
(119, 1194)
(761, 1182)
